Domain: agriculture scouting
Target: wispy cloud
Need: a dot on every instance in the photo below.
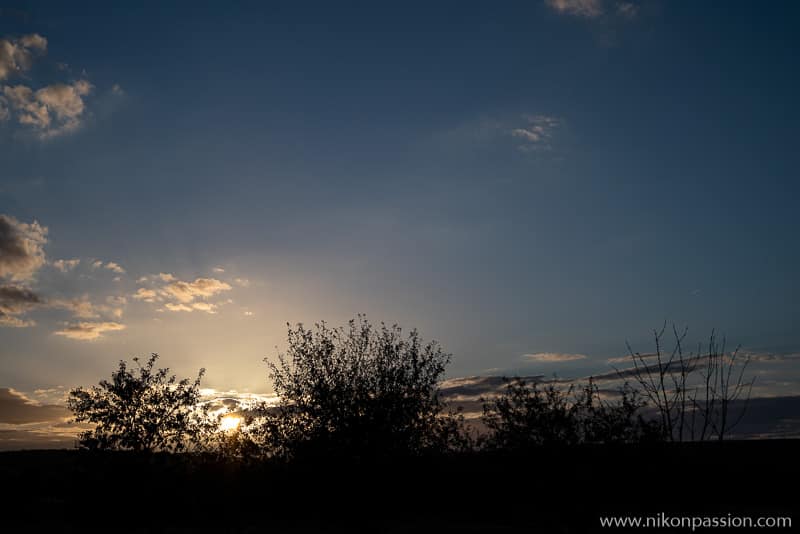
(179, 295)
(88, 331)
(189, 291)
(548, 357)
(595, 9)
(578, 8)
(537, 132)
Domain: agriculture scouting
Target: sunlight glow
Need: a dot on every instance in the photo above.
(229, 423)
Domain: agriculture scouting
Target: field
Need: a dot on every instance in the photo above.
(546, 490)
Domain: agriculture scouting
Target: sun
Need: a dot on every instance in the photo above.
(229, 423)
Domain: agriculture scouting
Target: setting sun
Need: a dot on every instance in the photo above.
(230, 423)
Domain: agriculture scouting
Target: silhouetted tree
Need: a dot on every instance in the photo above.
(529, 415)
(692, 393)
(143, 409)
(358, 391)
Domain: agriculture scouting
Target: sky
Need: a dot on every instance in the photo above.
(533, 184)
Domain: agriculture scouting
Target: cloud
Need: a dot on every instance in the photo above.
(627, 10)
(111, 266)
(770, 357)
(179, 295)
(52, 110)
(147, 295)
(81, 308)
(205, 306)
(21, 248)
(578, 8)
(218, 270)
(17, 409)
(66, 266)
(16, 55)
(16, 301)
(607, 10)
(116, 89)
(186, 292)
(200, 306)
(115, 267)
(88, 331)
(627, 358)
(177, 307)
(537, 133)
(553, 357)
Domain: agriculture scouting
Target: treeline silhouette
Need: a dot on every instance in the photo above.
(363, 391)
(363, 440)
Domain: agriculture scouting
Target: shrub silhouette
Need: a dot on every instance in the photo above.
(143, 410)
(529, 414)
(358, 391)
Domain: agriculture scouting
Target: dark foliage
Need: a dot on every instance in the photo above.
(529, 414)
(143, 409)
(358, 391)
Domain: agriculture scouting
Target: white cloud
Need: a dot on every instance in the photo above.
(147, 295)
(537, 133)
(52, 110)
(579, 8)
(205, 306)
(177, 307)
(188, 291)
(218, 270)
(16, 55)
(88, 331)
(115, 267)
(21, 248)
(182, 296)
(111, 266)
(199, 306)
(548, 357)
(66, 266)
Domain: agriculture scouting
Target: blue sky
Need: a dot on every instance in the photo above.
(549, 177)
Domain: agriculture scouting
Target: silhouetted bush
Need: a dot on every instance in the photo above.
(358, 391)
(530, 414)
(145, 409)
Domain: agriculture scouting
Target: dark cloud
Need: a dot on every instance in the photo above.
(478, 386)
(21, 248)
(16, 301)
(16, 409)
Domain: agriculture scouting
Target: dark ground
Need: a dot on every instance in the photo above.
(546, 490)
